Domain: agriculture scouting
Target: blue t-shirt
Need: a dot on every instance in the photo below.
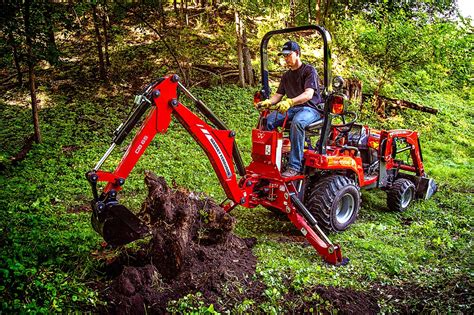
(295, 82)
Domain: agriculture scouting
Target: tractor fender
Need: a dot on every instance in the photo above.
(353, 165)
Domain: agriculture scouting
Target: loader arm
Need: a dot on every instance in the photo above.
(388, 151)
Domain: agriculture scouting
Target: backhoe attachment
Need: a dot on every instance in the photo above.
(117, 224)
(114, 222)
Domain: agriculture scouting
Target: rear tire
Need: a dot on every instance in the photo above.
(334, 201)
(400, 195)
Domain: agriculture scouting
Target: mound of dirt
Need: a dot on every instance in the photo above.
(192, 250)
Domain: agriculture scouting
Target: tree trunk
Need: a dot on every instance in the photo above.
(102, 71)
(53, 55)
(326, 11)
(397, 103)
(181, 10)
(292, 13)
(31, 70)
(354, 90)
(379, 103)
(247, 58)
(309, 12)
(186, 12)
(162, 12)
(105, 26)
(318, 12)
(240, 58)
(16, 58)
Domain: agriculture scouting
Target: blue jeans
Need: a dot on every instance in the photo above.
(300, 117)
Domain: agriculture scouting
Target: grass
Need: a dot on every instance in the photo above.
(47, 258)
(46, 262)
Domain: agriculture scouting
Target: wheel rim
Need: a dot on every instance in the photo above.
(345, 208)
(407, 196)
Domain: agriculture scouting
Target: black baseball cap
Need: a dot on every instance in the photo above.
(289, 47)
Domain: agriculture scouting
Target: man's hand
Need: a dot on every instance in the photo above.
(263, 105)
(284, 106)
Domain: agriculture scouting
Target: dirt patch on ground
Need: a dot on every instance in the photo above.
(454, 296)
(330, 300)
(192, 250)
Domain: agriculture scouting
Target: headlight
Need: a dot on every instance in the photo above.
(338, 83)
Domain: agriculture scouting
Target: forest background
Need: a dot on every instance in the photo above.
(69, 73)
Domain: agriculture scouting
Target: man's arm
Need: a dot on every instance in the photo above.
(276, 98)
(303, 97)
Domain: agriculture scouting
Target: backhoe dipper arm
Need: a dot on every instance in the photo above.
(217, 144)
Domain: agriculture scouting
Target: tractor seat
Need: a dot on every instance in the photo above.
(315, 126)
(318, 124)
(311, 130)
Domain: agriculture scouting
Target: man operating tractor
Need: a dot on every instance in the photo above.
(301, 87)
(324, 196)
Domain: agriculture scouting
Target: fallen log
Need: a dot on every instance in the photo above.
(21, 155)
(396, 103)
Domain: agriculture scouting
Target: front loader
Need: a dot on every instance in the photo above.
(325, 198)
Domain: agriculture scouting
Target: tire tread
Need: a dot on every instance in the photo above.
(321, 195)
(395, 193)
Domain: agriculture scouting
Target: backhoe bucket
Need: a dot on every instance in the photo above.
(118, 225)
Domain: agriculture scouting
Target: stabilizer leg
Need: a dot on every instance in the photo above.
(308, 226)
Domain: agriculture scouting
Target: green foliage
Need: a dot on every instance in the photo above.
(398, 53)
(45, 236)
(190, 304)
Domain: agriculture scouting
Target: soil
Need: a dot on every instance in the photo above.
(328, 300)
(192, 250)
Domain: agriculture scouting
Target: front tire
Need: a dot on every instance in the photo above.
(334, 201)
(400, 195)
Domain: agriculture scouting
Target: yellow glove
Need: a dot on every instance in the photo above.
(263, 104)
(283, 106)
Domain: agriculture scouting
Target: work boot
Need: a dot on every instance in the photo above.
(290, 173)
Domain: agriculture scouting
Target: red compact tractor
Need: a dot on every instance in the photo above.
(339, 160)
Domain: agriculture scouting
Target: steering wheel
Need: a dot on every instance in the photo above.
(345, 126)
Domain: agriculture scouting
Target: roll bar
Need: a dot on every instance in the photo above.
(327, 55)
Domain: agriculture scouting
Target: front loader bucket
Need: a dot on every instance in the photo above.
(118, 225)
(426, 188)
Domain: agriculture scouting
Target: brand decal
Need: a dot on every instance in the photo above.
(140, 146)
(218, 150)
(342, 161)
(268, 149)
